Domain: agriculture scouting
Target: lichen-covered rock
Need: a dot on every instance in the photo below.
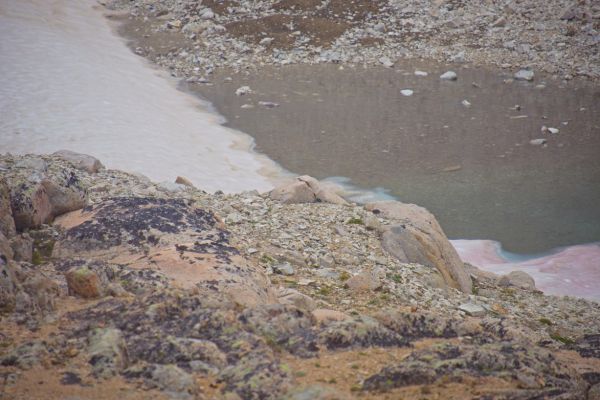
(417, 237)
(39, 192)
(361, 331)
(8, 284)
(257, 376)
(80, 161)
(544, 374)
(174, 236)
(108, 352)
(415, 325)
(7, 223)
(26, 355)
(315, 392)
(295, 298)
(84, 283)
(305, 189)
(22, 246)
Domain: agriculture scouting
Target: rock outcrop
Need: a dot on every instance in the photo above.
(416, 236)
(305, 189)
(148, 288)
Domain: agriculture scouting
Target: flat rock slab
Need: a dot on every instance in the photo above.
(186, 243)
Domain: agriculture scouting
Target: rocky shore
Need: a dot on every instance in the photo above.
(192, 38)
(115, 286)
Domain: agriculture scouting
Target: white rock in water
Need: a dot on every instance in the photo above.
(537, 142)
(448, 76)
(244, 90)
(524, 75)
(471, 309)
(466, 103)
(386, 62)
(553, 130)
(268, 104)
(406, 92)
(421, 73)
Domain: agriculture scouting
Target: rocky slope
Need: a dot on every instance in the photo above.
(192, 38)
(112, 286)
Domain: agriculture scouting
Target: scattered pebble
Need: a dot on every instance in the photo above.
(243, 90)
(421, 73)
(537, 142)
(524, 75)
(406, 92)
(448, 76)
(466, 103)
(268, 104)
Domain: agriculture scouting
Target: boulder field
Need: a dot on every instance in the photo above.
(113, 286)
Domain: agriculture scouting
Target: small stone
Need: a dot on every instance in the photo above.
(524, 75)
(268, 104)
(473, 310)
(553, 130)
(283, 269)
(365, 281)
(246, 106)
(266, 41)
(500, 22)
(537, 142)
(184, 181)
(386, 62)
(466, 103)
(243, 90)
(421, 73)
(207, 14)
(174, 24)
(84, 283)
(449, 76)
(406, 92)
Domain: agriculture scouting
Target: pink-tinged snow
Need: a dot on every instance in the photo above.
(570, 271)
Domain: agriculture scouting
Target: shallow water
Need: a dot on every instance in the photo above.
(473, 167)
(68, 82)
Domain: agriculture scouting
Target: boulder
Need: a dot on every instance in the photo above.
(295, 298)
(519, 279)
(364, 281)
(108, 352)
(80, 161)
(305, 189)
(84, 283)
(39, 193)
(417, 237)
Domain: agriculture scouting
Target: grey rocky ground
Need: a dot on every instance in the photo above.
(192, 38)
(165, 291)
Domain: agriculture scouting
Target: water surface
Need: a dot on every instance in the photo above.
(472, 166)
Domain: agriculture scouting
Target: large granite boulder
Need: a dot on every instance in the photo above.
(417, 237)
(174, 236)
(305, 189)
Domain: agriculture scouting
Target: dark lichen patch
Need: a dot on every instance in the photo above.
(500, 360)
(138, 221)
